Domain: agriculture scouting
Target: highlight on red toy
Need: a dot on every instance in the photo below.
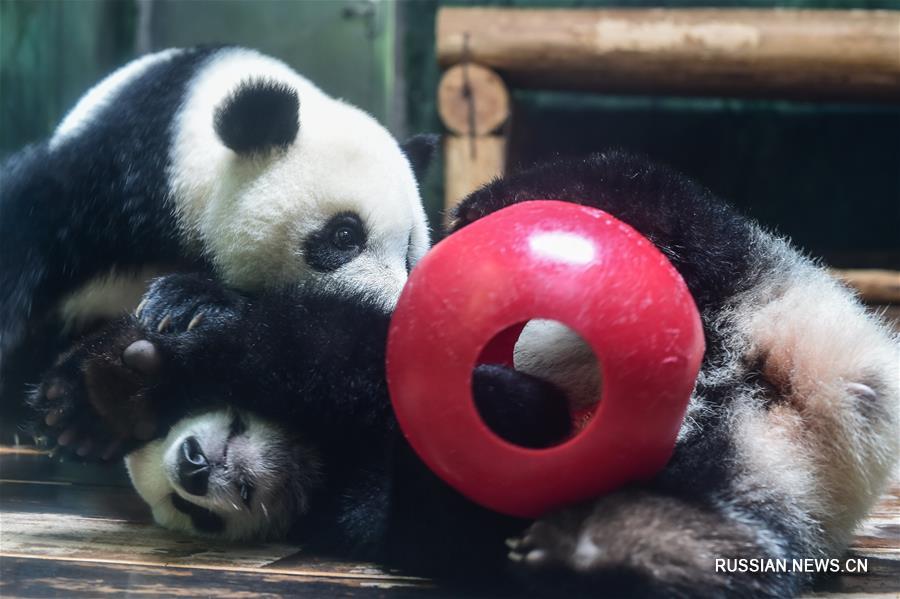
(550, 260)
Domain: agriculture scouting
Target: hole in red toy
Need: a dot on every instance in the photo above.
(537, 383)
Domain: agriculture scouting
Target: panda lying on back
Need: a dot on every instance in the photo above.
(282, 423)
(220, 159)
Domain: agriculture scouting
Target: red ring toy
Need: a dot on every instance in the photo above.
(552, 260)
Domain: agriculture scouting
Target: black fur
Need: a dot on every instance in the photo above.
(314, 362)
(97, 201)
(258, 116)
(420, 150)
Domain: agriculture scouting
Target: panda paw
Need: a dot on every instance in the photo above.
(179, 303)
(111, 389)
(90, 404)
(639, 544)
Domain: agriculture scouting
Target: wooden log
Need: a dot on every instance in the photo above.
(472, 100)
(874, 285)
(469, 163)
(808, 54)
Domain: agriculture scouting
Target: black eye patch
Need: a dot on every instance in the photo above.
(338, 242)
(237, 426)
(202, 519)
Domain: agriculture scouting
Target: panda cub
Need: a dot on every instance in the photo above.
(274, 419)
(215, 159)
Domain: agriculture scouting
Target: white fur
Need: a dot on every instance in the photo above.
(106, 297)
(251, 215)
(825, 447)
(99, 96)
(554, 352)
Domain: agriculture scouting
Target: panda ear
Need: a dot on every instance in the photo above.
(259, 115)
(420, 150)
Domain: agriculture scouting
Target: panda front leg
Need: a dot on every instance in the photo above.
(115, 387)
(196, 343)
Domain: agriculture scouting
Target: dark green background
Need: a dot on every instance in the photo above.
(826, 175)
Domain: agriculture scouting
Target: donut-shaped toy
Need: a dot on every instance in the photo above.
(467, 300)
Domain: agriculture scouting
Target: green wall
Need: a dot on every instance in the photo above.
(52, 51)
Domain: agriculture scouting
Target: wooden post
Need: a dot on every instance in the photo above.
(474, 104)
(470, 163)
(812, 54)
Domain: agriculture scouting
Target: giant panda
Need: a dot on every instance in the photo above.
(274, 418)
(213, 158)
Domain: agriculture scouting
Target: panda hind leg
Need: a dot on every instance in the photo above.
(643, 543)
(118, 385)
(90, 403)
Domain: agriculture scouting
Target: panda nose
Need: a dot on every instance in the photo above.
(193, 467)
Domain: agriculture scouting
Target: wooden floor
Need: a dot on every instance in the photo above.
(95, 538)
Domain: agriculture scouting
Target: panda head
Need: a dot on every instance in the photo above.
(281, 184)
(225, 474)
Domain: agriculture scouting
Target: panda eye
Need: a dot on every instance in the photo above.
(346, 238)
(338, 242)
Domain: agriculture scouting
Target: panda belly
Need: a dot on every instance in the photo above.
(105, 297)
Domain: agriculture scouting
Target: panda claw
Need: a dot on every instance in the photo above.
(85, 448)
(515, 556)
(536, 557)
(52, 418)
(140, 308)
(164, 323)
(864, 392)
(67, 436)
(54, 392)
(197, 319)
(111, 450)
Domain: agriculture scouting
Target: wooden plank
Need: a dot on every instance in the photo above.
(39, 577)
(881, 580)
(109, 539)
(811, 54)
(28, 463)
(59, 538)
(41, 497)
(55, 520)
